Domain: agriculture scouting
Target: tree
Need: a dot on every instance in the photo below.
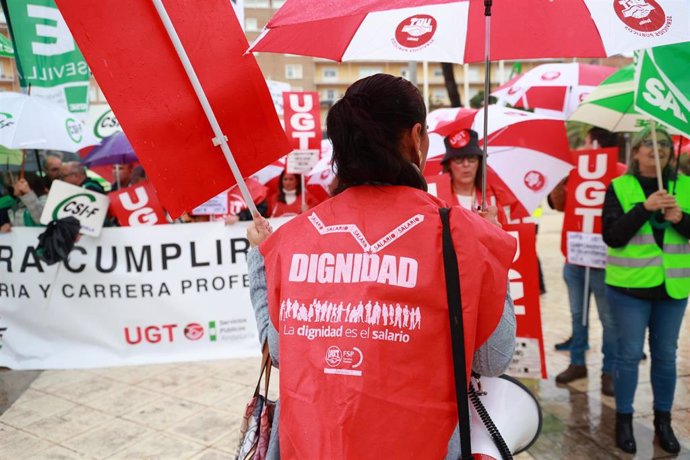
(451, 85)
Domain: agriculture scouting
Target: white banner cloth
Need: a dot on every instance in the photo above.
(135, 295)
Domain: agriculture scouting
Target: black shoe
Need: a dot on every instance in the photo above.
(572, 373)
(564, 346)
(664, 432)
(625, 438)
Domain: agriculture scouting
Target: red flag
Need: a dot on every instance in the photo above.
(137, 205)
(136, 66)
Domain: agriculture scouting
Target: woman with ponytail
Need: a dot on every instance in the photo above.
(351, 297)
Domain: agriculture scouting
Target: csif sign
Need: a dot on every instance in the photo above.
(67, 200)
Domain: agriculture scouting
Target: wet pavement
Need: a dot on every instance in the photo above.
(193, 410)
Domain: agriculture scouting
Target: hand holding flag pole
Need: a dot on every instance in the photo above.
(220, 139)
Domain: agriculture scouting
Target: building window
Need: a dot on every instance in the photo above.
(367, 71)
(438, 72)
(277, 3)
(256, 3)
(330, 73)
(329, 95)
(251, 24)
(293, 71)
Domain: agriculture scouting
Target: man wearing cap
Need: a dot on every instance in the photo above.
(462, 185)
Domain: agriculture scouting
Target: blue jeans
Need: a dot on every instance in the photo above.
(574, 276)
(633, 316)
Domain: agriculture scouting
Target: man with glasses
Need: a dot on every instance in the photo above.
(74, 173)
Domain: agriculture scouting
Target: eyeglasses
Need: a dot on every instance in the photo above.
(471, 159)
(663, 144)
(62, 176)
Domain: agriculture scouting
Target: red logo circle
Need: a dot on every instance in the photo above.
(194, 331)
(552, 75)
(534, 180)
(640, 15)
(415, 31)
(459, 139)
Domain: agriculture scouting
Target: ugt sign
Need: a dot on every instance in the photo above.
(302, 119)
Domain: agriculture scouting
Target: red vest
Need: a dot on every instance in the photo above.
(356, 290)
(280, 209)
(444, 190)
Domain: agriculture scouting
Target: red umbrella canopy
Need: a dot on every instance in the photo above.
(527, 153)
(555, 89)
(454, 30)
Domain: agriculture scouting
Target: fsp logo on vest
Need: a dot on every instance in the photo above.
(366, 266)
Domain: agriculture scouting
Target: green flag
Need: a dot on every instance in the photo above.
(47, 57)
(662, 85)
(6, 48)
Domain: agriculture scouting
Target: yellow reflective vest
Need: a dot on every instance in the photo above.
(642, 263)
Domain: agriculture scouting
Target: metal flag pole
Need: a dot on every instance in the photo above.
(487, 86)
(588, 274)
(657, 162)
(303, 197)
(220, 139)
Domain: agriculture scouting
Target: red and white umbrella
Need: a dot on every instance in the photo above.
(553, 89)
(454, 30)
(528, 153)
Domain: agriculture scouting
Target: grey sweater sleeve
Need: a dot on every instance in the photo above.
(259, 297)
(495, 355)
(34, 204)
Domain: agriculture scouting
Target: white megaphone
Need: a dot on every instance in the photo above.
(514, 411)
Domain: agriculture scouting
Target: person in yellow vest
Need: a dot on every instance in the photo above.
(353, 301)
(647, 279)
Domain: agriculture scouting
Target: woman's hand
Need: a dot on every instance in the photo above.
(659, 200)
(673, 214)
(258, 230)
(491, 214)
(6, 228)
(21, 187)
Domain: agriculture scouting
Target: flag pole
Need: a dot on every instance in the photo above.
(220, 139)
(487, 87)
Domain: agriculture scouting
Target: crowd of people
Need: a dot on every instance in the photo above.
(380, 142)
(644, 287)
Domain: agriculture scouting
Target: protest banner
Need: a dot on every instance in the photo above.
(163, 117)
(67, 200)
(303, 129)
(529, 359)
(150, 294)
(586, 188)
(137, 205)
(48, 60)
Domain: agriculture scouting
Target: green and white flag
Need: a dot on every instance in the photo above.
(6, 48)
(662, 85)
(47, 57)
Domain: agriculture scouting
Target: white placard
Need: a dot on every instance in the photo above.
(218, 205)
(526, 359)
(586, 249)
(277, 88)
(302, 161)
(65, 200)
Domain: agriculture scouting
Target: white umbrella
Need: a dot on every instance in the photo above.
(29, 122)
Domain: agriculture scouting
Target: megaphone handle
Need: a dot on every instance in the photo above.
(500, 443)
